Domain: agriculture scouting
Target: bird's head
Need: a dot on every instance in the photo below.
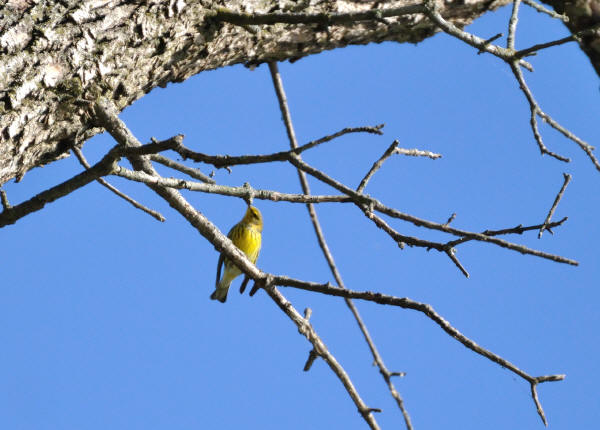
(254, 217)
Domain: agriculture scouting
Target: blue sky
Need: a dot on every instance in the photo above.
(105, 319)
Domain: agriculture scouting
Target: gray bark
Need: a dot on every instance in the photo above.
(54, 54)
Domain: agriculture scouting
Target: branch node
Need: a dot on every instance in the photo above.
(249, 197)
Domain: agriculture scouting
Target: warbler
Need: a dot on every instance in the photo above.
(246, 235)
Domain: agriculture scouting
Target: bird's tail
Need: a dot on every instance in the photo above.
(222, 289)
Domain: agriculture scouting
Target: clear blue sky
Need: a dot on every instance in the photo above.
(105, 320)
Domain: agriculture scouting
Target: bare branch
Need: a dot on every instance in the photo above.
(451, 253)
(431, 9)
(451, 218)
(220, 161)
(430, 312)
(536, 110)
(135, 204)
(306, 329)
(287, 119)
(514, 230)
(244, 192)
(540, 8)
(11, 214)
(361, 199)
(418, 153)
(512, 25)
(108, 118)
(576, 37)
(190, 171)
(555, 204)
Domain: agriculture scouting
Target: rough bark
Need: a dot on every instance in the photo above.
(56, 53)
(582, 14)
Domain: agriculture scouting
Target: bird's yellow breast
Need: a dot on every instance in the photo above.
(248, 239)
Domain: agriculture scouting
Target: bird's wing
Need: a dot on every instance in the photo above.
(219, 265)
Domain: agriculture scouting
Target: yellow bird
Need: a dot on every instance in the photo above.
(246, 235)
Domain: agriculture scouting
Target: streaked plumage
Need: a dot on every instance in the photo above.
(246, 235)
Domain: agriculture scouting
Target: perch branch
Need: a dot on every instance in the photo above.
(243, 192)
(107, 116)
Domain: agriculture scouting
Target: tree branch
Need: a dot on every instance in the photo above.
(361, 199)
(555, 204)
(287, 119)
(430, 312)
(220, 161)
(107, 116)
(101, 181)
(245, 192)
(376, 166)
(190, 171)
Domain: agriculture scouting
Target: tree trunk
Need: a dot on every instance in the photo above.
(57, 54)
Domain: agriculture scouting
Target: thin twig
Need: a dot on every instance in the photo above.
(190, 171)
(432, 11)
(220, 161)
(4, 198)
(512, 25)
(451, 218)
(377, 165)
(536, 110)
(451, 253)
(244, 192)
(488, 41)
(287, 119)
(514, 230)
(575, 37)
(103, 182)
(555, 204)
(11, 214)
(418, 153)
(540, 8)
